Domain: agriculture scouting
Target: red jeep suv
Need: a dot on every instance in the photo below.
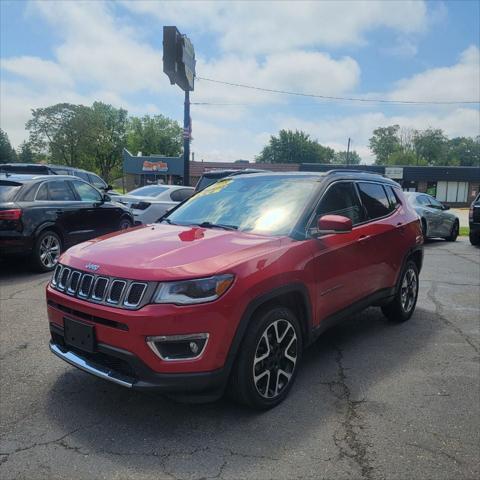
(229, 287)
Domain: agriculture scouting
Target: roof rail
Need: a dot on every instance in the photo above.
(351, 170)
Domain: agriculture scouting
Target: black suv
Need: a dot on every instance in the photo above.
(43, 215)
(41, 169)
(474, 221)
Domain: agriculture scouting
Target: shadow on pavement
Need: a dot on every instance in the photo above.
(105, 419)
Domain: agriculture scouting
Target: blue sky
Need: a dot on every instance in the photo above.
(80, 52)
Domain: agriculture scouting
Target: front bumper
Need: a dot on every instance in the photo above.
(127, 370)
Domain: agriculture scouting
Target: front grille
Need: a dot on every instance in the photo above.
(115, 292)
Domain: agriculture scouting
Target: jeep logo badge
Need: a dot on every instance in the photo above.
(92, 266)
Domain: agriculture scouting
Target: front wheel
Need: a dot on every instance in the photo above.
(401, 308)
(474, 238)
(268, 360)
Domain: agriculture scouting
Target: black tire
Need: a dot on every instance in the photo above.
(454, 232)
(474, 238)
(424, 228)
(46, 251)
(262, 393)
(125, 223)
(401, 308)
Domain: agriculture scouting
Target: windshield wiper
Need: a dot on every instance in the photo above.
(217, 225)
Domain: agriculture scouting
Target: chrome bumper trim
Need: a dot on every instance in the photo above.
(91, 367)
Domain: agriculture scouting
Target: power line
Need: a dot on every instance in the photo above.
(344, 99)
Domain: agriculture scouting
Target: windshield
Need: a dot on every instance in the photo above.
(205, 181)
(250, 204)
(148, 191)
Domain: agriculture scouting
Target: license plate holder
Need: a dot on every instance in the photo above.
(79, 335)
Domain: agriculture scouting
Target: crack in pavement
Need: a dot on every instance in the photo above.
(439, 311)
(24, 289)
(349, 444)
(435, 452)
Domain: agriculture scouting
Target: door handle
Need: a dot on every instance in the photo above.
(363, 238)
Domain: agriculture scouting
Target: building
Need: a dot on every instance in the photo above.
(456, 186)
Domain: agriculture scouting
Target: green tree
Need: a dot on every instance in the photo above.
(404, 157)
(25, 153)
(62, 130)
(464, 151)
(431, 146)
(384, 142)
(106, 137)
(157, 135)
(294, 147)
(341, 158)
(7, 153)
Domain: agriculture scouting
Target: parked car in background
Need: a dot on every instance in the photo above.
(231, 286)
(211, 177)
(474, 221)
(47, 169)
(150, 202)
(437, 222)
(41, 216)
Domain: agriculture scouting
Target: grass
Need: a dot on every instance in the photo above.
(464, 231)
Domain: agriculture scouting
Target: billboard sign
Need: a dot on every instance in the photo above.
(178, 58)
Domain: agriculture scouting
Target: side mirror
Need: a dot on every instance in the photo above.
(332, 224)
(445, 207)
(106, 198)
(109, 187)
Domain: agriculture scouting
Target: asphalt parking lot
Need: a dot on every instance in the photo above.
(372, 401)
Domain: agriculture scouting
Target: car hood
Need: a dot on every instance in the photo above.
(167, 252)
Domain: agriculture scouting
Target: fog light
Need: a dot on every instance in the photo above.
(178, 347)
(194, 347)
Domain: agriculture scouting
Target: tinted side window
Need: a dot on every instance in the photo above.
(60, 191)
(374, 199)
(435, 203)
(42, 192)
(423, 200)
(181, 194)
(392, 197)
(82, 175)
(97, 181)
(86, 192)
(342, 199)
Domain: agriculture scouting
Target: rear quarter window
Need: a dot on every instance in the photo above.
(374, 199)
(8, 192)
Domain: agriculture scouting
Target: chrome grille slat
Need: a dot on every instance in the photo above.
(115, 295)
(100, 289)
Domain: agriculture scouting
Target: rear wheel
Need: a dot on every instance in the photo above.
(453, 233)
(124, 223)
(46, 251)
(268, 360)
(401, 308)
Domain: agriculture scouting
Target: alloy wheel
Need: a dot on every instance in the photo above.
(409, 290)
(275, 358)
(49, 251)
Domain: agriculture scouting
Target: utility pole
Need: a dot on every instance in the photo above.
(348, 150)
(186, 140)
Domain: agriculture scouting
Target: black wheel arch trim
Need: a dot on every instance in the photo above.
(50, 226)
(257, 302)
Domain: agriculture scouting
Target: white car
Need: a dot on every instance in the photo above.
(149, 203)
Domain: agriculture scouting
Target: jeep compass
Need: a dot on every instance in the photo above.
(227, 290)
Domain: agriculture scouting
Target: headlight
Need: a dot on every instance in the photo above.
(187, 292)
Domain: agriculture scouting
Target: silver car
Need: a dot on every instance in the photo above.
(436, 221)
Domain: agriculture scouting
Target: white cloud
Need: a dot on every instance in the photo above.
(458, 82)
(265, 27)
(46, 72)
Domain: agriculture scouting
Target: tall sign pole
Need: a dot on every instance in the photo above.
(186, 139)
(348, 152)
(179, 65)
